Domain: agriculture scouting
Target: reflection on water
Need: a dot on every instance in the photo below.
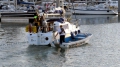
(45, 56)
(15, 51)
(96, 19)
(103, 49)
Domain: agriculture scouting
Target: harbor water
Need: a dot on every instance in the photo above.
(103, 49)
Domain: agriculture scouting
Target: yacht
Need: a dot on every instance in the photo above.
(102, 9)
(45, 33)
(11, 13)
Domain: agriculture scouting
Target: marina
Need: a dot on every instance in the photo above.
(29, 16)
(102, 50)
(30, 40)
(93, 8)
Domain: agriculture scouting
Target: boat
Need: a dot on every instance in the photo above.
(15, 15)
(95, 10)
(53, 13)
(77, 40)
(51, 10)
(45, 34)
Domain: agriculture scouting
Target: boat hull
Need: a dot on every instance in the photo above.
(77, 42)
(40, 38)
(95, 12)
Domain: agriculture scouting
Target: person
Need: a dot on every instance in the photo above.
(45, 26)
(36, 22)
(30, 27)
(62, 34)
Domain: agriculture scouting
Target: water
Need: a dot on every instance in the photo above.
(103, 49)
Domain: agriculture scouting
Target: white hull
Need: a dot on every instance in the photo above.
(40, 38)
(76, 43)
(95, 12)
(47, 38)
(15, 19)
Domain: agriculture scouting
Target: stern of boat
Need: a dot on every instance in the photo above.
(40, 38)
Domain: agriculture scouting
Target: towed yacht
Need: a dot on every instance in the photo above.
(44, 33)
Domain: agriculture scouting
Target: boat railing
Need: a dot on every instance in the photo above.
(52, 15)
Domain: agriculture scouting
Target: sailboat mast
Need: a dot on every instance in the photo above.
(86, 4)
(60, 3)
(8, 2)
(108, 4)
(15, 5)
(57, 3)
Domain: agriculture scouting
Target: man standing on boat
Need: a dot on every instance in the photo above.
(62, 34)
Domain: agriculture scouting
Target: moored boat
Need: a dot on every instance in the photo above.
(95, 9)
(95, 12)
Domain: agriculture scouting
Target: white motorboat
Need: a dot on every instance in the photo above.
(100, 9)
(45, 35)
(95, 12)
(42, 32)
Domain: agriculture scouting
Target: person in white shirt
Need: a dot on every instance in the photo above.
(62, 34)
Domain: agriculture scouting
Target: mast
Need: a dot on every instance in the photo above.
(15, 5)
(8, 2)
(57, 3)
(62, 4)
(86, 4)
(34, 1)
(108, 4)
